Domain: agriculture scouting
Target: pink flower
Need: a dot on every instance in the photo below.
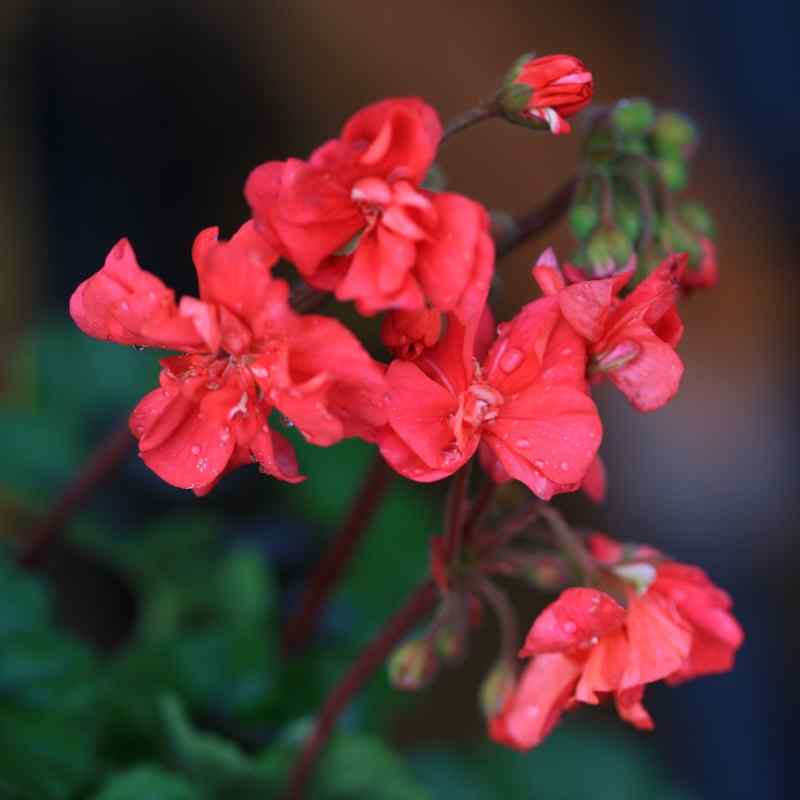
(526, 404)
(587, 647)
(245, 352)
(631, 340)
(354, 220)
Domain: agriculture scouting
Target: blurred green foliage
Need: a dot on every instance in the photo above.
(195, 700)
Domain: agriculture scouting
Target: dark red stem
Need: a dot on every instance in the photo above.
(538, 220)
(418, 605)
(456, 512)
(108, 455)
(301, 626)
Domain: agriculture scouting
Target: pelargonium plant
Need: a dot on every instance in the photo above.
(460, 395)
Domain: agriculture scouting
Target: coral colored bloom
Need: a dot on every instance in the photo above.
(587, 647)
(354, 220)
(409, 333)
(245, 352)
(526, 404)
(560, 87)
(631, 340)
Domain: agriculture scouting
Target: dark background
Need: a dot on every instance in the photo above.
(143, 120)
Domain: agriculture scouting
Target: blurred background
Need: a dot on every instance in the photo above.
(143, 120)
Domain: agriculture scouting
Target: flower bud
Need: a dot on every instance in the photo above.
(545, 91)
(678, 238)
(547, 572)
(583, 219)
(408, 333)
(674, 135)
(413, 665)
(697, 218)
(608, 250)
(674, 173)
(633, 117)
(452, 641)
(628, 214)
(497, 688)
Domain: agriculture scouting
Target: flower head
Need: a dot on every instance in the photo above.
(525, 404)
(586, 646)
(549, 88)
(355, 220)
(245, 352)
(631, 340)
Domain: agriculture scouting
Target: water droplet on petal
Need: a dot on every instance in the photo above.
(523, 444)
(195, 449)
(511, 359)
(569, 627)
(538, 463)
(532, 711)
(564, 466)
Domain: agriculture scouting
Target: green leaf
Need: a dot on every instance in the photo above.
(148, 782)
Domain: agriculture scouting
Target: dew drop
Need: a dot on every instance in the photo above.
(523, 444)
(532, 711)
(511, 360)
(195, 449)
(202, 464)
(224, 435)
(564, 466)
(569, 627)
(538, 463)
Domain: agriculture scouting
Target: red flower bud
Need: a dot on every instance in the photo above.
(558, 87)
(408, 333)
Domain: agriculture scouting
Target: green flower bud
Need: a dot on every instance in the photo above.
(674, 173)
(697, 218)
(413, 665)
(628, 214)
(633, 117)
(497, 688)
(583, 219)
(608, 249)
(676, 237)
(674, 135)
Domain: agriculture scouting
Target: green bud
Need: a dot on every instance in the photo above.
(452, 643)
(633, 117)
(674, 173)
(600, 145)
(674, 135)
(583, 219)
(497, 688)
(547, 572)
(628, 214)
(675, 237)
(413, 665)
(697, 218)
(608, 249)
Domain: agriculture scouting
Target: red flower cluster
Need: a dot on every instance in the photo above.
(586, 646)
(246, 352)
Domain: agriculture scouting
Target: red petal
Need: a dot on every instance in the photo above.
(652, 378)
(586, 306)
(276, 456)
(405, 461)
(630, 708)
(577, 618)
(594, 482)
(542, 695)
(604, 667)
(547, 274)
(397, 137)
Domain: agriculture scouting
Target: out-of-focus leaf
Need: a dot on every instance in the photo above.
(48, 696)
(149, 782)
(211, 762)
(613, 765)
(353, 767)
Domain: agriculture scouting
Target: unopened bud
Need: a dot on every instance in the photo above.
(413, 665)
(452, 641)
(697, 219)
(547, 572)
(674, 173)
(543, 92)
(628, 214)
(633, 117)
(608, 250)
(583, 219)
(674, 135)
(497, 688)
(678, 238)
(408, 333)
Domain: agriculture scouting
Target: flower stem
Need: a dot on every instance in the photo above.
(479, 507)
(504, 611)
(455, 512)
(472, 116)
(107, 455)
(529, 225)
(418, 604)
(335, 561)
(568, 540)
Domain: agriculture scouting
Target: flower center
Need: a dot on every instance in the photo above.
(478, 404)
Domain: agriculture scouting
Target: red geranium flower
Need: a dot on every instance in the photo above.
(631, 340)
(246, 352)
(586, 646)
(354, 220)
(526, 404)
(560, 87)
